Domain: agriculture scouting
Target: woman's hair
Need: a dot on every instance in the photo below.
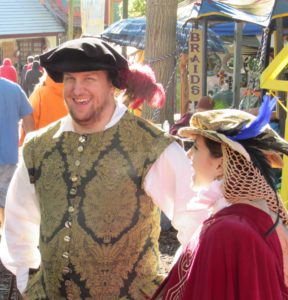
(214, 148)
(257, 157)
(260, 161)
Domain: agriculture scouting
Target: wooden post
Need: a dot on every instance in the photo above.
(237, 63)
(205, 54)
(184, 88)
(70, 19)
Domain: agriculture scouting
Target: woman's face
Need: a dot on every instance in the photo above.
(207, 168)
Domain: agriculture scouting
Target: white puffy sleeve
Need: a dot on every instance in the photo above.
(168, 181)
(20, 237)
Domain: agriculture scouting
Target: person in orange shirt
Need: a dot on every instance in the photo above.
(47, 101)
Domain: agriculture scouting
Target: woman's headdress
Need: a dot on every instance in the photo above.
(245, 140)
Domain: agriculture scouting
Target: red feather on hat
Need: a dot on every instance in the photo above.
(140, 84)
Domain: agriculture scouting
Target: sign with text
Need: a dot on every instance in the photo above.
(195, 62)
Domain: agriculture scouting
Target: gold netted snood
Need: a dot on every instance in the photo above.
(243, 181)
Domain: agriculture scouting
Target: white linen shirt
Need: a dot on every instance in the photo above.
(168, 183)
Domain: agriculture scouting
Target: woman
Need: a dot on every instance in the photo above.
(239, 252)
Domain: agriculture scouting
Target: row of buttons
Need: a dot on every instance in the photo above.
(68, 224)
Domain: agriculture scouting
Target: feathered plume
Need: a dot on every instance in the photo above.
(140, 84)
(257, 126)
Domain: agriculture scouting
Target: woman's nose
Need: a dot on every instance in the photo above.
(189, 153)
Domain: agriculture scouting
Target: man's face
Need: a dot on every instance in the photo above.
(89, 97)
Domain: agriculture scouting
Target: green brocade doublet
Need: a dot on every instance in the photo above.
(99, 230)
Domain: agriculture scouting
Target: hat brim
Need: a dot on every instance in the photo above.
(274, 158)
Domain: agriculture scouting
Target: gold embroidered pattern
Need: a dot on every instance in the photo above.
(112, 214)
(53, 210)
(184, 265)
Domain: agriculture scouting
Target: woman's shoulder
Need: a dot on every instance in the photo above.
(237, 221)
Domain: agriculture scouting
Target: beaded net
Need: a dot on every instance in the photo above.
(244, 181)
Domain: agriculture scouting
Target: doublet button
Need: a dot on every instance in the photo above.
(74, 178)
(82, 139)
(66, 270)
(71, 209)
(67, 238)
(65, 255)
(80, 148)
(68, 282)
(70, 297)
(68, 224)
(77, 163)
(73, 191)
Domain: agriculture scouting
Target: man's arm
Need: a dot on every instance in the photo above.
(28, 123)
(20, 238)
(168, 183)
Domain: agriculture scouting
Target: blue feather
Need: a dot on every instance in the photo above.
(257, 126)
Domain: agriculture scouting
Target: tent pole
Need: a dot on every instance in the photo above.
(278, 45)
(70, 19)
(237, 63)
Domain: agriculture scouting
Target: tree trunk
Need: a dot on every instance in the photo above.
(160, 48)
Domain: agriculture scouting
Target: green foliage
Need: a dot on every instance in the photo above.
(136, 8)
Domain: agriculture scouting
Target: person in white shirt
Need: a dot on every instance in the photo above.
(82, 216)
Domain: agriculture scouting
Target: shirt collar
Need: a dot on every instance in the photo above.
(67, 122)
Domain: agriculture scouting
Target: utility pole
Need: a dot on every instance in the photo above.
(70, 19)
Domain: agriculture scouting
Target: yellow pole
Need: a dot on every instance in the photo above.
(268, 80)
(284, 184)
(70, 19)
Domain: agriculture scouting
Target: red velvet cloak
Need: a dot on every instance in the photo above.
(231, 260)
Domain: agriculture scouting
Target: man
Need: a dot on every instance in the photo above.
(24, 70)
(86, 184)
(14, 106)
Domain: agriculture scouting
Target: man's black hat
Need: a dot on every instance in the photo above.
(93, 54)
(82, 55)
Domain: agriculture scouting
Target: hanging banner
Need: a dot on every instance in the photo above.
(195, 62)
(254, 11)
(92, 16)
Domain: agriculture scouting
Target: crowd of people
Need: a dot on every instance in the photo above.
(29, 76)
(82, 211)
